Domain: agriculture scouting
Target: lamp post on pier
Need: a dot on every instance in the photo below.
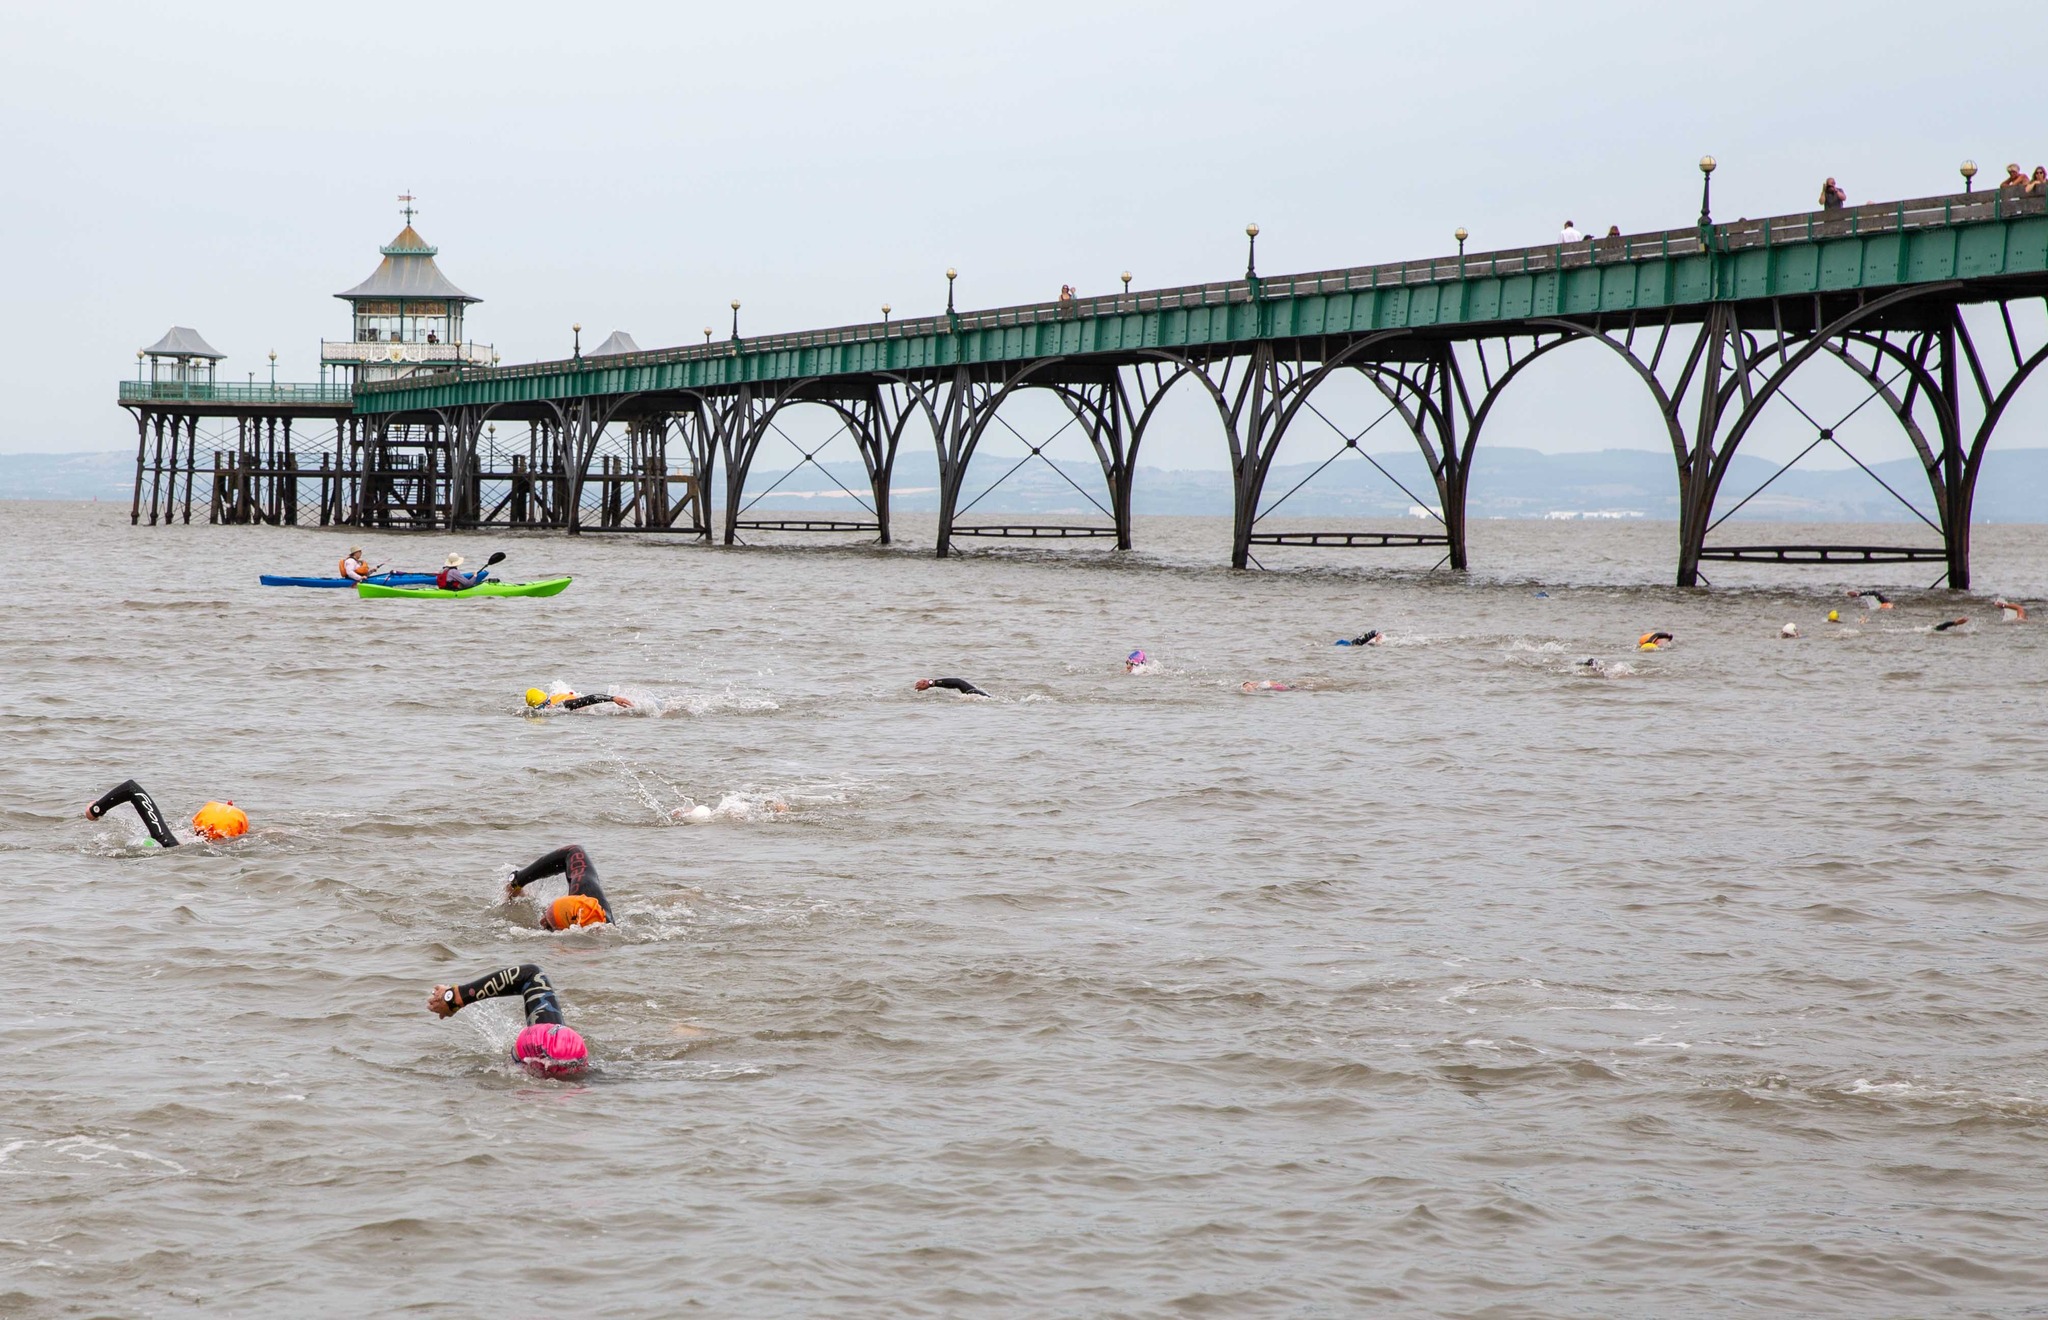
(885, 320)
(735, 319)
(1127, 286)
(1461, 236)
(577, 330)
(707, 334)
(138, 366)
(1251, 257)
(951, 275)
(1969, 172)
(1707, 164)
(273, 369)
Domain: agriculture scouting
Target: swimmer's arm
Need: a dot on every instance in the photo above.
(571, 862)
(596, 699)
(525, 980)
(145, 806)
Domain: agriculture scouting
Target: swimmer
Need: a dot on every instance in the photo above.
(1267, 685)
(1789, 630)
(2014, 611)
(1594, 666)
(548, 1047)
(960, 685)
(214, 822)
(1947, 624)
(584, 904)
(1137, 662)
(1877, 600)
(542, 703)
(1651, 641)
(730, 807)
(1371, 637)
(1834, 616)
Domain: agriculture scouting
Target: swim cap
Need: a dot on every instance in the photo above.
(1834, 616)
(221, 820)
(548, 1049)
(1136, 657)
(573, 910)
(536, 697)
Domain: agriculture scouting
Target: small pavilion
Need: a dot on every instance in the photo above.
(181, 357)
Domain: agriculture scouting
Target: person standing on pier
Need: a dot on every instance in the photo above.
(1832, 197)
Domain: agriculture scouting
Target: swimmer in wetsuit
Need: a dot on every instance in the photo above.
(1651, 641)
(548, 1047)
(1947, 624)
(1878, 600)
(214, 822)
(1371, 637)
(540, 703)
(584, 904)
(960, 685)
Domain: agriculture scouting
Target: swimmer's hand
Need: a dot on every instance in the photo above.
(622, 703)
(442, 1002)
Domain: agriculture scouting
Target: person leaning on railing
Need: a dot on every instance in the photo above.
(1832, 197)
(2037, 185)
(2014, 180)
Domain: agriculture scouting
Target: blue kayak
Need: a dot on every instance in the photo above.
(381, 579)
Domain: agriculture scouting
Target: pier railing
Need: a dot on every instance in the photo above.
(1775, 231)
(283, 393)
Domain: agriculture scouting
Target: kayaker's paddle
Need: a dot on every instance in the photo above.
(496, 557)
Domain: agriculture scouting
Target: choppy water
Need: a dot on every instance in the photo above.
(1453, 983)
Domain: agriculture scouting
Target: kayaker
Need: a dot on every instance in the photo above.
(451, 578)
(548, 1047)
(215, 822)
(584, 904)
(542, 703)
(353, 566)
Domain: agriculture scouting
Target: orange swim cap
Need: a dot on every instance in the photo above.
(220, 820)
(573, 910)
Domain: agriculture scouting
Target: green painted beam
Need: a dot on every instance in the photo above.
(1982, 240)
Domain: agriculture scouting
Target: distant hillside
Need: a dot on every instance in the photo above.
(1506, 483)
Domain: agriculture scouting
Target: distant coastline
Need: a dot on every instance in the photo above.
(1623, 484)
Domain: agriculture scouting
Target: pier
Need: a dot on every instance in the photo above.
(1713, 319)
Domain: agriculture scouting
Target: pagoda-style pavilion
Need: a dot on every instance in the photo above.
(407, 318)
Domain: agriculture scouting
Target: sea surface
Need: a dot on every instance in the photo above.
(1452, 982)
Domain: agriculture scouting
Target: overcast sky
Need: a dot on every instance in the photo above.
(231, 166)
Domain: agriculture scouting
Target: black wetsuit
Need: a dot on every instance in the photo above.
(527, 981)
(959, 685)
(145, 806)
(573, 863)
(1952, 623)
(578, 703)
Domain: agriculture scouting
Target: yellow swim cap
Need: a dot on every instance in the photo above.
(536, 697)
(1834, 616)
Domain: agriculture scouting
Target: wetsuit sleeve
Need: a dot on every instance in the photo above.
(959, 685)
(578, 703)
(527, 981)
(145, 806)
(574, 864)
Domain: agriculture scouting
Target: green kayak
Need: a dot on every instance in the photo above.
(550, 587)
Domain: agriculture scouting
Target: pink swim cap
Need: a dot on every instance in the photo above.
(551, 1050)
(1136, 657)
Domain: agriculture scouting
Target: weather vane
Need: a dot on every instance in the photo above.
(406, 197)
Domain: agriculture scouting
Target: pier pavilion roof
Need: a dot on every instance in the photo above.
(618, 342)
(408, 271)
(184, 342)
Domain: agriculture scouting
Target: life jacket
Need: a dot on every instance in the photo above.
(441, 579)
(341, 566)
